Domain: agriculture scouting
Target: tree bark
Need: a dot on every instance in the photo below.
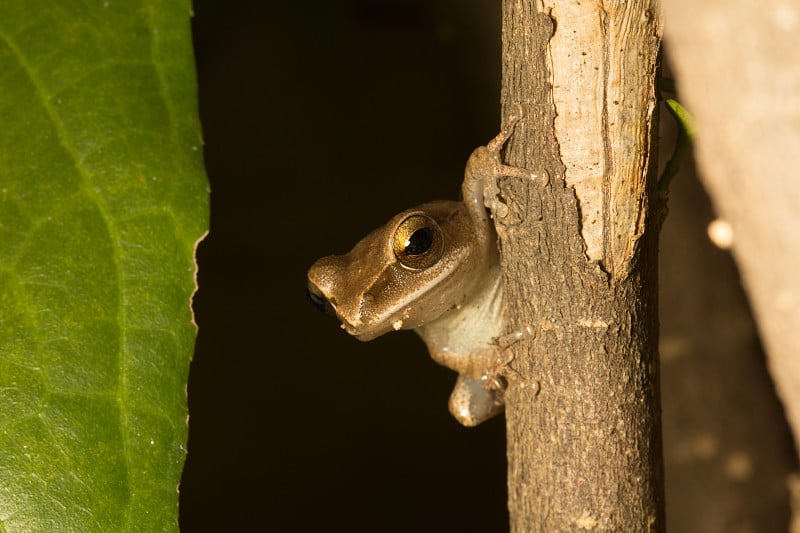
(580, 265)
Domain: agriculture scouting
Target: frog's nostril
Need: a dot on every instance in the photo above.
(318, 300)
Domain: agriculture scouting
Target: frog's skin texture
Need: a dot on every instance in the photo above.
(434, 269)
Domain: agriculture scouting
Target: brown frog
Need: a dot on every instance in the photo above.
(434, 269)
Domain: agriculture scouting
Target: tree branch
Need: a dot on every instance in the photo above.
(580, 265)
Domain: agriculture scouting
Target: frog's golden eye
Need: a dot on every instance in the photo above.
(418, 242)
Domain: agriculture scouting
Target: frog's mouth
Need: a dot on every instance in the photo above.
(327, 305)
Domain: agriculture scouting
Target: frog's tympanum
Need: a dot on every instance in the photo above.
(434, 269)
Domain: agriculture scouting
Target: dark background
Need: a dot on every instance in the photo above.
(322, 120)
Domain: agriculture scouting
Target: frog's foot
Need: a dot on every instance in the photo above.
(507, 126)
(491, 192)
(495, 145)
(506, 341)
(471, 403)
(496, 377)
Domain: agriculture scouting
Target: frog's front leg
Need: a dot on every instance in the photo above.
(475, 400)
(485, 166)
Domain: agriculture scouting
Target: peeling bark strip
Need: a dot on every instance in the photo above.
(580, 263)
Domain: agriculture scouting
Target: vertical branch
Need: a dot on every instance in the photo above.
(580, 265)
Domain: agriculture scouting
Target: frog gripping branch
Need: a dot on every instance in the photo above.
(434, 269)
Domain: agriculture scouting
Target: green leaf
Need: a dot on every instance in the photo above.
(103, 197)
(686, 133)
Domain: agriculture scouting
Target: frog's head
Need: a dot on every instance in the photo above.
(420, 264)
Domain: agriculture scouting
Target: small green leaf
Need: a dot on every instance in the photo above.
(686, 132)
(103, 197)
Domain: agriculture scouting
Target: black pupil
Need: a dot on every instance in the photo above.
(419, 242)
